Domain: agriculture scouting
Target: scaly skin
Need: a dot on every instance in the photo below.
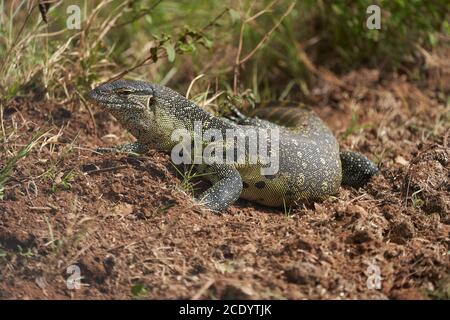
(311, 167)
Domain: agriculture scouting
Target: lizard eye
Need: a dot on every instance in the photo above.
(124, 92)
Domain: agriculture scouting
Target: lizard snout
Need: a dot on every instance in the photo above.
(100, 95)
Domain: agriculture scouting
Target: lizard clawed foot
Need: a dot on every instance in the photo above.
(237, 116)
(134, 147)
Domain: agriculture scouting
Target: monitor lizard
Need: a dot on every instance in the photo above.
(311, 166)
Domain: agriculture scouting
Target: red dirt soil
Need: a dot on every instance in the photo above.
(126, 223)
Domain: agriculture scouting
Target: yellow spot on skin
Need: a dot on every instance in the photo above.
(301, 180)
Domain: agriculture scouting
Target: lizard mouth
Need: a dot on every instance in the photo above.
(99, 95)
(122, 94)
(103, 96)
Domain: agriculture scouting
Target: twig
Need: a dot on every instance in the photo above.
(137, 17)
(149, 57)
(91, 113)
(106, 169)
(2, 123)
(236, 63)
(267, 35)
(143, 62)
(241, 41)
(192, 83)
(265, 10)
(108, 24)
(40, 208)
(127, 245)
(213, 21)
(239, 61)
(202, 290)
(18, 35)
(323, 74)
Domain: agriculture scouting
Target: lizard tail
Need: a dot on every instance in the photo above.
(357, 169)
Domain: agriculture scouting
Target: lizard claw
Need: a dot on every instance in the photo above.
(105, 150)
(237, 116)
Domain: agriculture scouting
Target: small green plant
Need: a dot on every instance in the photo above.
(417, 202)
(54, 243)
(442, 292)
(287, 209)
(189, 176)
(24, 252)
(163, 208)
(226, 266)
(139, 290)
(64, 183)
(354, 126)
(6, 171)
(49, 174)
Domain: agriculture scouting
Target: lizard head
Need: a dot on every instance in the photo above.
(123, 96)
(129, 100)
(149, 111)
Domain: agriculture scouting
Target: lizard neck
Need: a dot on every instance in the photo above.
(155, 125)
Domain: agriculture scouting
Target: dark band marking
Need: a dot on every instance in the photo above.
(260, 184)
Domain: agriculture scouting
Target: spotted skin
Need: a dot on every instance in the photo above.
(356, 169)
(311, 168)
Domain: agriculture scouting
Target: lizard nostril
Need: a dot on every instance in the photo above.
(94, 94)
(98, 93)
(91, 95)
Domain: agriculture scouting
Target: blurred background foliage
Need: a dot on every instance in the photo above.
(271, 47)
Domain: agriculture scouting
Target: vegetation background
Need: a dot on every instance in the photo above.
(271, 47)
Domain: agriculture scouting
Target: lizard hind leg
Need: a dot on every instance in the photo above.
(239, 118)
(357, 169)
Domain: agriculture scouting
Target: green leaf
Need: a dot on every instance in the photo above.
(170, 49)
(206, 42)
(149, 19)
(235, 16)
(337, 10)
(139, 290)
(186, 47)
(432, 39)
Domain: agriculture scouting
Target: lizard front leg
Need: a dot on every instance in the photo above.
(132, 147)
(226, 189)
